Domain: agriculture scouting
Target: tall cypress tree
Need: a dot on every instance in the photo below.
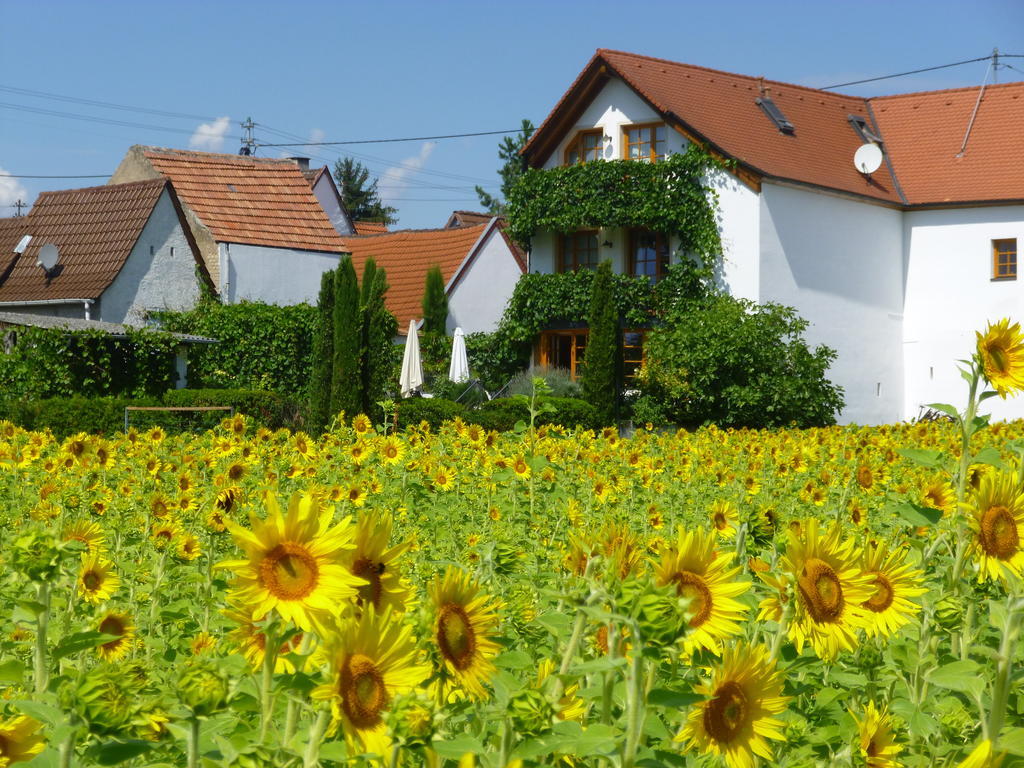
(435, 303)
(379, 330)
(346, 376)
(323, 355)
(600, 373)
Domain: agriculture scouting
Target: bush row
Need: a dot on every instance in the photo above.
(501, 415)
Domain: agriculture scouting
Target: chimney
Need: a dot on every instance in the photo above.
(302, 162)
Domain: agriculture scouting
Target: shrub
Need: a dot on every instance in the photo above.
(558, 380)
(736, 363)
(503, 413)
(433, 410)
(270, 409)
(571, 412)
(323, 356)
(346, 382)
(465, 392)
(601, 369)
(435, 303)
(71, 415)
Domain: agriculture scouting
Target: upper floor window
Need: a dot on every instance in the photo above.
(587, 147)
(648, 254)
(644, 142)
(578, 250)
(1004, 259)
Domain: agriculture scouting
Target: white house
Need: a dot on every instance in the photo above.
(895, 268)
(261, 232)
(326, 192)
(479, 265)
(121, 252)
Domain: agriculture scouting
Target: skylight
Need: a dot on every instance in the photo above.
(775, 115)
(860, 125)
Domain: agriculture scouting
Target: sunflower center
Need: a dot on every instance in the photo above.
(721, 523)
(289, 572)
(820, 588)
(693, 587)
(999, 535)
(365, 568)
(363, 694)
(455, 636)
(997, 358)
(92, 580)
(883, 596)
(726, 714)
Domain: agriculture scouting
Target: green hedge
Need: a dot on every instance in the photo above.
(270, 409)
(503, 413)
(433, 410)
(71, 415)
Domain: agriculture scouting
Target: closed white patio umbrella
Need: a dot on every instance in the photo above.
(412, 367)
(458, 371)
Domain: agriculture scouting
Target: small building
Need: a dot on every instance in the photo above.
(326, 191)
(118, 252)
(262, 233)
(479, 265)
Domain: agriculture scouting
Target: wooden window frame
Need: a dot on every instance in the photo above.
(629, 378)
(562, 264)
(577, 144)
(651, 157)
(661, 269)
(577, 352)
(1004, 259)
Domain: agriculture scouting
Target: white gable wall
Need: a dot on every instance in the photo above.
(159, 274)
(478, 299)
(326, 193)
(838, 263)
(951, 295)
(273, 275)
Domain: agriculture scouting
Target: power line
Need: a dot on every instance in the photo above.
(94, 119)
(36, 176)
(918, 71)
(101, 104)
(388, 141)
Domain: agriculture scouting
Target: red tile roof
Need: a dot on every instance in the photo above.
(407, 255)
(467, 218)
(923, 134)
(369, 227)
(94, 229)
(252, 200)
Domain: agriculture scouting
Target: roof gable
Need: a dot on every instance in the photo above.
(94, 228)
(251, 200)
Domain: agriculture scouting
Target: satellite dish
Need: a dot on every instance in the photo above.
(48, 256)
(868, 158)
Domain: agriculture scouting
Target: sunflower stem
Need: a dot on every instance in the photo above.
(193, 743)
(1001, 685)
(67, 748)
(635, 699)
(780, 634)
(42, 672)
(267, 683)
(311, 757)
(966, 431)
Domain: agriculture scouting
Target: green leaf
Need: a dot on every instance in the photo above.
(986, 395)
(114, 752)
(12, 671)
(44, 713)
(556, 623)
(917, 515)
(80, 641)
(334, 751)
(945, 408)
(604, 664)
(672, 699)
(514, 660)
(1012, 740)
(962, 676)
(453, 749)
(989, 455)
(922, 456)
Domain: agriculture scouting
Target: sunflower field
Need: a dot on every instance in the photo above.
(842, 596)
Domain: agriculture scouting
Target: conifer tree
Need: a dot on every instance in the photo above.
(323, 355)
(379, 328)
(346, 376)
(601, 367)
(435, 303)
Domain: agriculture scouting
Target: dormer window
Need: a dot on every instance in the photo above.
(644, 142)
(771, 109)
(587, 147)
(860, 125)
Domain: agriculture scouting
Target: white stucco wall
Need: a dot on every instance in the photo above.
(838, 262)
(950, 295)
(477, 300)
(325, 192)
(159, 274)
(273, 275)
(75, 310)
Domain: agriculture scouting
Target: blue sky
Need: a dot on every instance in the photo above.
(364, 70)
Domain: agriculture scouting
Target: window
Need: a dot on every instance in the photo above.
(578, 250)
(587, 147)
(1004, 259)
(648, 254)
(644, 142)
(563, 349)
(775, 115)
(632, 354)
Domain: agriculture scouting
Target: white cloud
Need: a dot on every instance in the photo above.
(10, 192)
(394, 180)
(316, 135)
(210, 136)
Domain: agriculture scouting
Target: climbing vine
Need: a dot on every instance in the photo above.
(672, 196)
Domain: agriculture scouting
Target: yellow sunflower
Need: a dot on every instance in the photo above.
(187, 547)
(736, 717)
(830, 590)
(295, 564)
(392, 450)
(122, 628)
(464, 625)
(877, 744)
(895, 581)
(97, 580)
(706, 578)
(361, 424)
(251, 641)
(377, 564)
(88, 533)
(724, 516)
(1001, 352)
(20, 740)
(982, 757)
(997, 522)
(372, 660)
